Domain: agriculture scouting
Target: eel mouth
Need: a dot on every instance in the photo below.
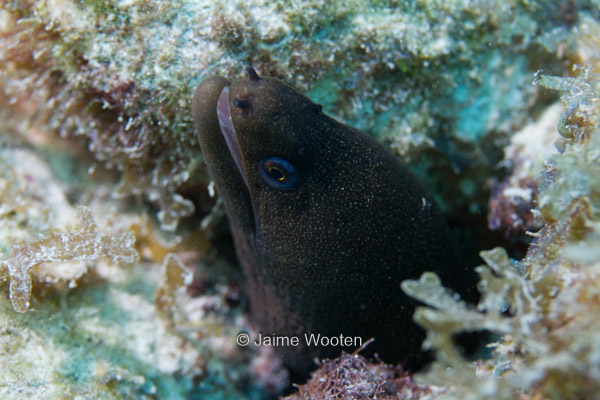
(228, 131)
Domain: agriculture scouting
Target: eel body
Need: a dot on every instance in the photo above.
(326, 222)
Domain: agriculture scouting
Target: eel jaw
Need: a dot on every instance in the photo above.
(228, 131)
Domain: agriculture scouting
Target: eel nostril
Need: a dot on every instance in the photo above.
(252, 75)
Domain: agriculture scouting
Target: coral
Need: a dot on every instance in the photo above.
(444, 85)
(84, 243)
(544, 307)
(32, 205)
(100, 330)
(561, 193)
(581, 99)
(104, 341)
(95, 107)
(58, 54)
(513, 198)
(176, 279)
(548, 321)
(20, 212)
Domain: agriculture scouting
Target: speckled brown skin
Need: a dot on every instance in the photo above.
(328, 255)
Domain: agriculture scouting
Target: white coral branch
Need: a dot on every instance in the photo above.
(83, 243)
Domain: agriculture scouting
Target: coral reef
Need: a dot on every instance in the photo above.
(545, 307)
(101, 342)
(512, 202)
(29, 199)
(95, 328)
(95, 112)
(444, 86)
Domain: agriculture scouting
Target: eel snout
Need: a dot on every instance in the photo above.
(204, 105)
(212, 118)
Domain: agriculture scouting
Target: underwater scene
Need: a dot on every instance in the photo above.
(300, 199)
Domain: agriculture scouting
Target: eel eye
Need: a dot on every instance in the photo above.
(241, 103)
(278, 173)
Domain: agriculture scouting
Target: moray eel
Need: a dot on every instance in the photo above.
(326, 222)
